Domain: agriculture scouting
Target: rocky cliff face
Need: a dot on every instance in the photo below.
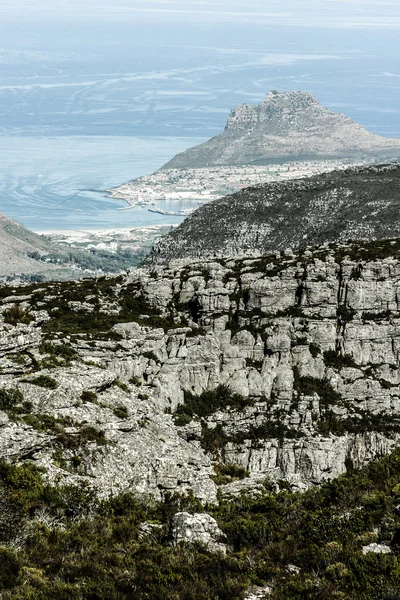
(215, 374)
(285, 126)
(358, 203)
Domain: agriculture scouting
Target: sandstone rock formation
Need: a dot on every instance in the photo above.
(218, 374)
(285, 126)
(199, 527)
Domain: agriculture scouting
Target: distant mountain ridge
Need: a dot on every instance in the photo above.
(355, 204)
(286, 126)
(19, 246)
(28, 256)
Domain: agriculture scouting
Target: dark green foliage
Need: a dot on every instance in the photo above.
(310, 385)
(57, 354)
(15, 315)
(62, 350)
(213, 440)
(209, 402)
(98, 554)
(89, 396)
(271, 428)
(314, 349)
(10, 400)
(9, 569)
(121, 412)
(43, 381)
(226, 473)
(358, 421)
(338, 361)
(73, 441)
(48, 423)
(121, 385)
(368, 250)
(132, 304)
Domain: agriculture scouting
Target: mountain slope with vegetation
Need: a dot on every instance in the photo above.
(29, 256)
(66, 543)
(358, 203)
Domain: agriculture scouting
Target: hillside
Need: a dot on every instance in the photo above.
(358, 203)
(137, 409)
(29, 256)
(286, 126)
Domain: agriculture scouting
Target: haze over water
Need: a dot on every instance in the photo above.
(95, 93)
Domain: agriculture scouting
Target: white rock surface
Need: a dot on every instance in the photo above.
(376, 549)
(198, 527)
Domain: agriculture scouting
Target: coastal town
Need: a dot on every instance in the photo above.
(195, 187)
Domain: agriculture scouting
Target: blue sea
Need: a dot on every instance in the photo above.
(96, 93)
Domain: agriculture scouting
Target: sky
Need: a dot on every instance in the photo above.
(144, 63)
(353, 14)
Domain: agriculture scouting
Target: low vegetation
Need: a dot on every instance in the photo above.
(64, 542)
(208, 403)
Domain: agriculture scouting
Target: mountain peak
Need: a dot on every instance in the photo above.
(282, 112)
(286, 126)
(294, 96)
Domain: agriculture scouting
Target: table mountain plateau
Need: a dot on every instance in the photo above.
(357, 203)
(286, 126)
(286, 367)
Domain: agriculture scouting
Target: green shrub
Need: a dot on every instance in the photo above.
(339, 361)
(226, 473)
(99, 554)
(10, 399)
(89, 396)
(15, 315)
(209, 402)
(10, 566)
(121, 412)
(74, 441)
(121, 385)
(314, 349)
(43, 381)
(48, 423)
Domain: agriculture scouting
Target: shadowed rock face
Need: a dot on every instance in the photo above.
(286, 126)
(360, 203)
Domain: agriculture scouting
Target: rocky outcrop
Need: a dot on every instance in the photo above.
(285, 126)
(376, 549)
(199, 527)
(259, 593)
(355, 204)
(213, 375)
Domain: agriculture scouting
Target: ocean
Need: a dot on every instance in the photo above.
(94, 94)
